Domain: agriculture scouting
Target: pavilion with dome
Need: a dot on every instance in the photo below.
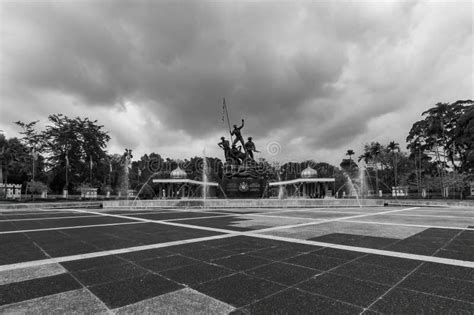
(308, 185)
(178, 185)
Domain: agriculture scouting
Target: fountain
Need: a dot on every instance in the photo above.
(353, 188)
(205, 181)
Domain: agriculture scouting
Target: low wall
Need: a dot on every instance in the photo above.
(51, 205)
(431, 203)
(243, 203)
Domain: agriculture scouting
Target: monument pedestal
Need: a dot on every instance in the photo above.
(244, 187)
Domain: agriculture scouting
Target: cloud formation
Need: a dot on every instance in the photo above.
(317, 77)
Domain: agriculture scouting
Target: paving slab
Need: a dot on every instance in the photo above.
(345, 289)
(239, 290)
(196, 273)
(363, 229)
(285, 274)
(72, 302)
(30, 289)
(120, 293)
(400, 301)
(241, 262)
(185, 301)
(23, 274)
(292, 301)
(446, 287)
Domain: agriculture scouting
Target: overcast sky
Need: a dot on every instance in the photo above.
(311, 79)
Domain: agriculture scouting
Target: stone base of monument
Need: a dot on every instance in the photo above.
(244, 187)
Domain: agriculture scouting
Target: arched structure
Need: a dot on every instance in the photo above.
(178, 185)
(308, 185)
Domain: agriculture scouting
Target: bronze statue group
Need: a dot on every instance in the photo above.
(233, 153)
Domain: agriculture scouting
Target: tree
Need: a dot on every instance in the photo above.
(394, 147)
(371, 155)
(439, 134)
(464, 139)
(350, 153)
(34, 143)
(14, 160)
(72, 146)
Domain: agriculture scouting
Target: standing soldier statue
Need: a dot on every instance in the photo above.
(224, 145)
(250, 148)
(237, 134)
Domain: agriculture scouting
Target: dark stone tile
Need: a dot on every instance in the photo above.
(413, 249)
(315, 261)
(90, 263)
(14, 238)
(276, 254)
(26, 290)
(438, 232)
(371, 273)
(339, 253)
(22, 255)
(208, 254)
(345, 289)
(227, 223)
(302, 248)
(81, 222)
(129, 291)
(241, 262)
(459, 246)
(195, 274)
(390, 262)
(175, 215)
(448, 271)
(27, 225)
(115, 243)
(447, 287)
(239, 289)
(399, 301)
(7, 226)
(185, 248)
(355, 240)
(283, 273)
(109, 273)
(454, 254)
(241, 244)
(146, 254)
(164, 263)
(70, 249)
(293, 301)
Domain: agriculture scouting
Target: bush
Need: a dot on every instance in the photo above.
(36, 187)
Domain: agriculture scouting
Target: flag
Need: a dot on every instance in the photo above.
(67, 161)
(223, 111)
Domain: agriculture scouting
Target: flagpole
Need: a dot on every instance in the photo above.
(228, 121)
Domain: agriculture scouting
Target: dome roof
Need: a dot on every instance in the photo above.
(178, 173)
(309, 173)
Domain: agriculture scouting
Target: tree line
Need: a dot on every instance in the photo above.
(70, 153)
(440, 152)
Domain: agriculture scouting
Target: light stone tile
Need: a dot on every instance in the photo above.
(71, 302)
(18, 275)
(185, 301)
(306, 232)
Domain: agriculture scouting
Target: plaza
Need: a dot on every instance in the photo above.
(392, 259)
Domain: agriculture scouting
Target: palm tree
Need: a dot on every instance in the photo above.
(392, 147)
(350, 152)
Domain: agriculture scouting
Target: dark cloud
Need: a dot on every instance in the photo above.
(156, 71)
